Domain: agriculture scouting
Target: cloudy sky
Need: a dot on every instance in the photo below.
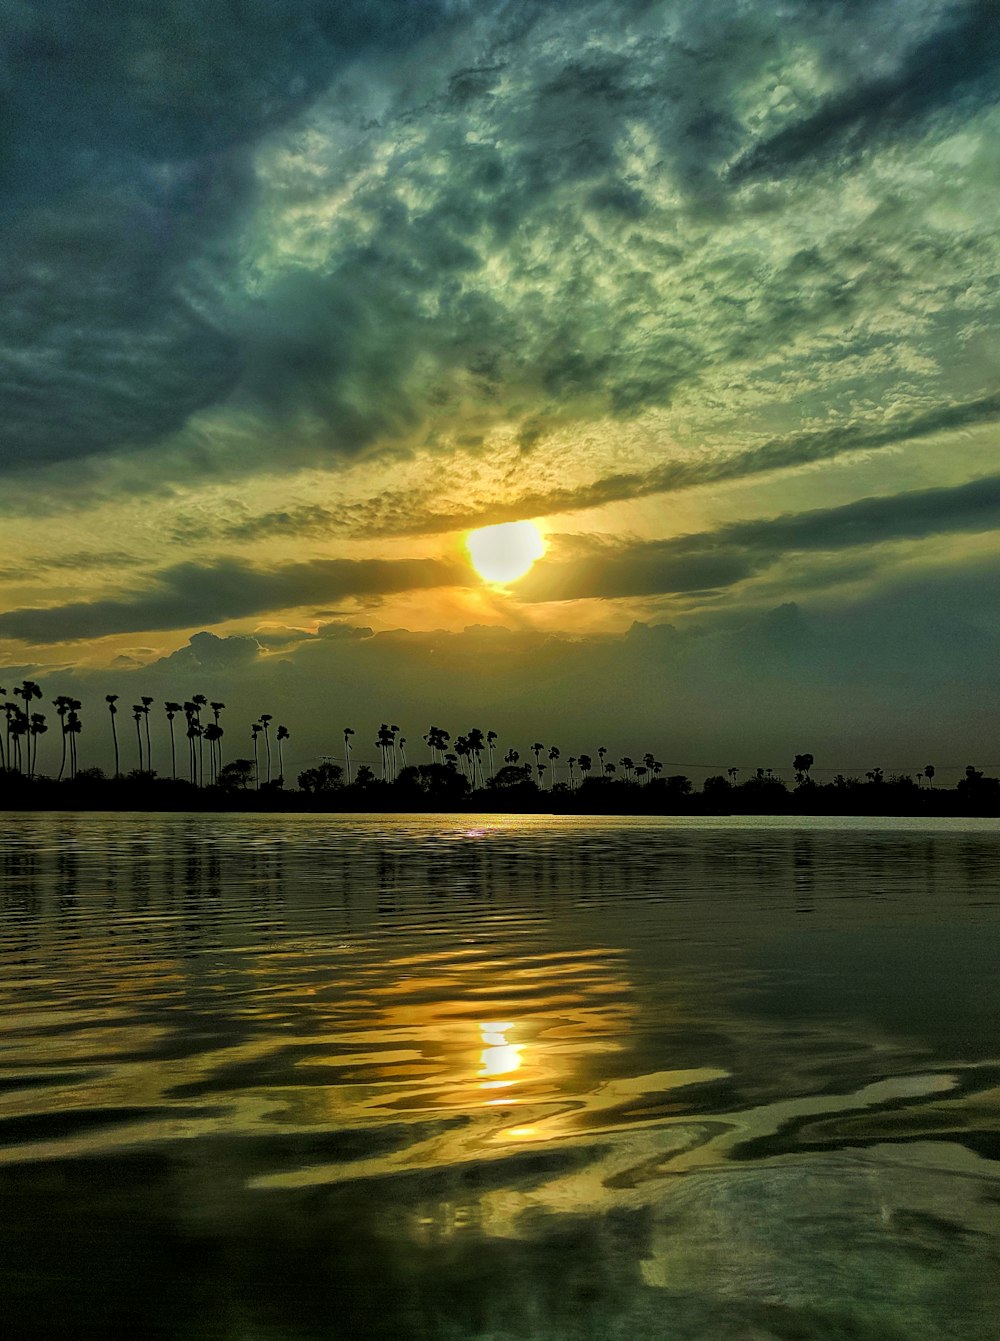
(297, 292)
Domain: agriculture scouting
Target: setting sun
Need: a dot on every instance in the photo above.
(506, 552)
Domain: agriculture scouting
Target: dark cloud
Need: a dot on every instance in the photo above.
(192, 593)
(735, 552)
(124, 181)
(401, 515)
(961, 59)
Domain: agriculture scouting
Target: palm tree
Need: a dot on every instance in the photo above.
(347, 752)
(491, 740)
(586, 764)
(213, 734)
(38, 728)
(282, 736)
(402, 749)
(61, 704)
(264, 720)
(255, 730)
(536, 750)
(601, 752)
(511, 757)
(200, 701)
(145, 701)
(929, 771)
(476, 741)
(3, 753)
(572, 779)
(627, 764)
(553, 756)
(137, 715)
(171, 709)
(733, 775)
(111, 700)
(73, 727)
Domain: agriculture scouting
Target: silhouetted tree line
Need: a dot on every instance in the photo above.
(466, 772)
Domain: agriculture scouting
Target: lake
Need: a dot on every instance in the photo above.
(283, 1077)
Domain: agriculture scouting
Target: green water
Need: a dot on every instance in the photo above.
(513, 1077)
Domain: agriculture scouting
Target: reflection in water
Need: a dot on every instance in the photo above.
(517, 1074)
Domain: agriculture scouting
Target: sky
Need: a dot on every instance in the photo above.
(296, 293)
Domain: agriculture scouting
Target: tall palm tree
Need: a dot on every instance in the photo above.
(213, 734)
(627, 764)
(282, 736)
(402, 749)
(145, 701)
(348, 732)
(200, 701)
(111, 700)
(5, 739)
(572, 776)
(491, 740)
(73, 727)
(137, 716)
(61, 704)
(586, 764)
(553, 756)
(536, 750)
(929, 771)
(38, 728)
(172, 709)
(476, 741)
(601, 752)
(255, 730)
(264, 720)
(511, 757)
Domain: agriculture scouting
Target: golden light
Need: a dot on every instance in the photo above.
(506, 552)
(498, 1057)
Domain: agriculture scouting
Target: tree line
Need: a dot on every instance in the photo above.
(467, 769)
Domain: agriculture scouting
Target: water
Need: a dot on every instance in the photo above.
(517, 1077)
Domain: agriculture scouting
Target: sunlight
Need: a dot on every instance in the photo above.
(506, 552)
(498, 1057)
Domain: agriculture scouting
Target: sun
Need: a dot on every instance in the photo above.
(505, 553)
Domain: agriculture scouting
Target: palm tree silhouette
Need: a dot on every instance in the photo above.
(929, 771)
(111, 700)
(282, 736)
(572, 779)
(511, 757)
(347, 751)
(215, 743)
(255, 731)
(137, 715)
(601, 752)
(61, 704)
(553, 756)
(171, 710)
(199, 701)
(73, 728)
(145, 701)
(213, 734)
(37, 728)
(586, 764)
(491, 740)
(264, 720)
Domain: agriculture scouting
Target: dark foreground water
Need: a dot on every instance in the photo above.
(276, 1078)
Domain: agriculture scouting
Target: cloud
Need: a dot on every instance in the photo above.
(191, 593)
(735, 552)
(126, 177)
(957, 62)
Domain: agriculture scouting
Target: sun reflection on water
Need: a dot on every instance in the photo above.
(498, 1057)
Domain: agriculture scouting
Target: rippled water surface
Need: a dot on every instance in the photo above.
(517, 1077)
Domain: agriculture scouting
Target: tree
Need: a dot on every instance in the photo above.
(37, 728)
(146, 701)
(586, 764)
(802, 764)
(347, 752)
(137, 717)
(237, 776)
(491, 740)
(929, 771)
(111, 700)
(282, 736)
(553, 756)
(61, 704)
(265, 720)
(171, 710)
(255, 731)
(325, 777)
(73, 728)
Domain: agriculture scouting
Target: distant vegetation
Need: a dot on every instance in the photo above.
(465, 772)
